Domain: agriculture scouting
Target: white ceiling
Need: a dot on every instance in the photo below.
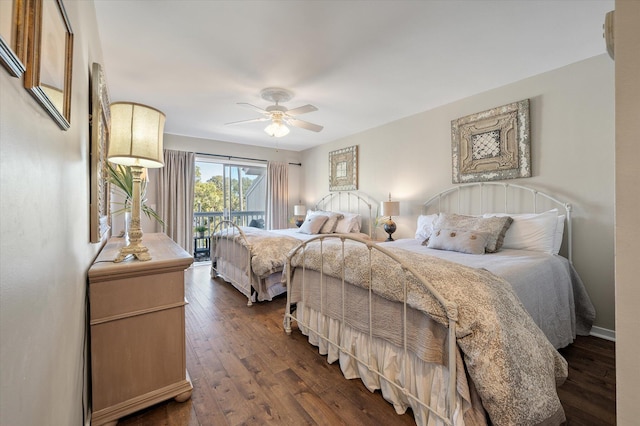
(362, 63)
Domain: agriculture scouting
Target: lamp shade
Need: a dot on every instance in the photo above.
(389, 208)
(136, 135)
(299, 210)
(277, 129)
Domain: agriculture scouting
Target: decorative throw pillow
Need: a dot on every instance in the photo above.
(312, 224)
(329, 226)
(472, 242)
(495, 226)
(332, 220)
(349, 223)
(424, 227)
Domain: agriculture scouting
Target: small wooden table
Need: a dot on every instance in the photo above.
(137, 329)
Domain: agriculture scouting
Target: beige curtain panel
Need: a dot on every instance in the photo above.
(277, 195)
(175, 196)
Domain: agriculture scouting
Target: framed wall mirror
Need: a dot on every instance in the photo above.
(49, 58)
(13, 36)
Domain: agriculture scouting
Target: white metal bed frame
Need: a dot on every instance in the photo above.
(347, 201)
(449, 307)
(343, 201)
(508, 202)
(227, 229)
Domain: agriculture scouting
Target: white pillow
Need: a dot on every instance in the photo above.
(312, 224)
(424, 227)
(329, 225)
(350, 222)
(531, 231)
(557, 241)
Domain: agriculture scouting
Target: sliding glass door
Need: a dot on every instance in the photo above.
(231, 191)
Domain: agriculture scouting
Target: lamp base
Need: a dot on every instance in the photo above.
(134, 232)
(389, 228)
(299, 222)
(137, 250)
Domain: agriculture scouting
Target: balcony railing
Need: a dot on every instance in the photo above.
(209, 220)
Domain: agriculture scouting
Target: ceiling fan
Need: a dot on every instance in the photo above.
(278, 114)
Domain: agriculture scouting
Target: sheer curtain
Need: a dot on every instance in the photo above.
(277, 195)
(175, 196)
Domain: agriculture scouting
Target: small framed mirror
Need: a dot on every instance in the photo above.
(49, 59)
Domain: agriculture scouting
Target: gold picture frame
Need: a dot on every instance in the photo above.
(492, 144)
(13, 36)
(50, 58)
(99, 120)
(343, 169)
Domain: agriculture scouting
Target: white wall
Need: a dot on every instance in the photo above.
(627, 64)
(44, 241)
(572, 144)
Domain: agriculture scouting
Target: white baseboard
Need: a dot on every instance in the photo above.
(603, 333)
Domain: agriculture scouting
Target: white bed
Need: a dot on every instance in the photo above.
(547, 285)
(547, 299)
(252, 259)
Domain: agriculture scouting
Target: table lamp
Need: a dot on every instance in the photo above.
(135, 141)
(389, 208)
(299, 212)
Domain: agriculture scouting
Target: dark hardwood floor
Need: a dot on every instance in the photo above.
(246, 370)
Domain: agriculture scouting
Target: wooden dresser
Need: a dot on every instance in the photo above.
(137, 329)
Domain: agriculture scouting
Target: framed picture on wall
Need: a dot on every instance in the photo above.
(492, 144)
(343, 169)
(99, 177)
(13, 36)
(50, 59)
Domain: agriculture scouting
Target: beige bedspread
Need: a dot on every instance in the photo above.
(268, 250)
(513, 365)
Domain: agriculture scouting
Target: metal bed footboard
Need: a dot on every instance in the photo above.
(449, 308)
(241, 276)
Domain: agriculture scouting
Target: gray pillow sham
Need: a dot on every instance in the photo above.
(495, 227)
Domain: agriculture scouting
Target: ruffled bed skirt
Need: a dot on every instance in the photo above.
(268, 288)
(427, 381)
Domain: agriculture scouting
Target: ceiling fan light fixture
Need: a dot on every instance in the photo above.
(277, 129)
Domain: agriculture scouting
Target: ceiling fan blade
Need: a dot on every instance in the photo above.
(303, 124)
(301, 110)
(247, 121)
(260, 110)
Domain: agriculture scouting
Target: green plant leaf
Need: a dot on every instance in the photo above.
(122, 179)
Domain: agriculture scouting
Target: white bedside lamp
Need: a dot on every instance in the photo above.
(299, 212)
(136, 141)
(389, 208)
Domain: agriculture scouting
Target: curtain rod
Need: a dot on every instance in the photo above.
(229, 157)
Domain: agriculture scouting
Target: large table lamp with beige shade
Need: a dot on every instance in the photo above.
(136, 141)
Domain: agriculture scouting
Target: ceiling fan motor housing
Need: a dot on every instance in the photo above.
(276, 94)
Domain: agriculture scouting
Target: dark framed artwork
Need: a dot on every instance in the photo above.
(343, 169)
(99, 178)
(492, 144)
(50, 58)
(13, 36)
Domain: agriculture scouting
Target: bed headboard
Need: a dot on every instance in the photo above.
(351, 202)
(500, 197)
